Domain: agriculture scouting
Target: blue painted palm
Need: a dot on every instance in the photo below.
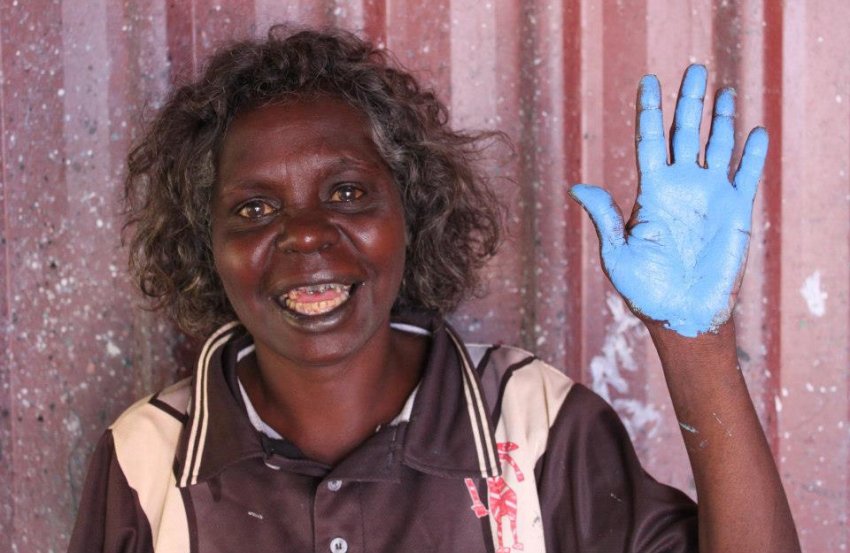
(680, 258)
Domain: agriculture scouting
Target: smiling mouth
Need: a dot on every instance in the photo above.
(317, 299)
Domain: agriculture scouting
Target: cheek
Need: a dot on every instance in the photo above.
(239, 263)
(382, 248)
(390, 243)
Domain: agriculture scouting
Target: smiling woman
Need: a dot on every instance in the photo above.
(453, 219)
(291, 160)
(308, 238)
(305, 205)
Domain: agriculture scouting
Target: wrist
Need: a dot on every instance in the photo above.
(711, 347)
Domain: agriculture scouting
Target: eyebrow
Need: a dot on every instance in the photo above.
(326, 167)
(344, 162)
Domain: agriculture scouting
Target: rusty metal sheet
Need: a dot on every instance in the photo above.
(813, 291)
(559, 77)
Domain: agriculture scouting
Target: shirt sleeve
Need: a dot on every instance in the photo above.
(595, 496)
(110, 518)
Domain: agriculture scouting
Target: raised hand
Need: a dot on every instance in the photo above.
(680, 258)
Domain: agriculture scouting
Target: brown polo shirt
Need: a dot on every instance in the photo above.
(500, 453)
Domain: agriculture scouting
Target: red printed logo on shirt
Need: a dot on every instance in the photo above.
(501, 498)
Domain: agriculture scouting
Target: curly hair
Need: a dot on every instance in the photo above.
(453, 218)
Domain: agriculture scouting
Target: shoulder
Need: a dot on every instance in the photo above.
(524, 394)
(513, 375)
(131, 488)
(147, 433)
(528, 396)
(168, 406)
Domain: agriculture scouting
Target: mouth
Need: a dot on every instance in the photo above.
(316, 299)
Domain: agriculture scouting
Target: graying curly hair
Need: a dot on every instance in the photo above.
(453, 218)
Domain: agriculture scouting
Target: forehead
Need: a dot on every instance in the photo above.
(287, 134)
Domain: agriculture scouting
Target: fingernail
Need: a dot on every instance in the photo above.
(725, 104)
(650, 92)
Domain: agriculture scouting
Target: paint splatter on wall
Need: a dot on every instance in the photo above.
(814, 295)
(609, 371)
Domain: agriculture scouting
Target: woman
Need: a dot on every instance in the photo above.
(306, 206)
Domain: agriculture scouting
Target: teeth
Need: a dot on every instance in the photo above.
(294, 297)
(315, 308)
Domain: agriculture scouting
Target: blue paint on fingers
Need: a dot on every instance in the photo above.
(604, 214)
(651, 146)
(650, 92)
(722, 139)
(682, 259)
(752, 163)
(686, 122)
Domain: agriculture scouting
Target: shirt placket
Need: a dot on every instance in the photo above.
(338, 517)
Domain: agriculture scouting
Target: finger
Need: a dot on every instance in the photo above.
(649, 138)
(752, 163)
(688, 116)
(722, 138)
(603, 212)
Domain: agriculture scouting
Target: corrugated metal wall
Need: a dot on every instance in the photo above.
(559, 77)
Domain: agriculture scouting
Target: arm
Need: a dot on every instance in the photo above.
(678, 263)
(742, 506)
(109, 519)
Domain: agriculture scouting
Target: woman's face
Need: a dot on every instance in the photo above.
(307, 230)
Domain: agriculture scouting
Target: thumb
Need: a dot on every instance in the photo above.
(603, 212)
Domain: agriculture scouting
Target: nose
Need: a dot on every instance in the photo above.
(306, 232)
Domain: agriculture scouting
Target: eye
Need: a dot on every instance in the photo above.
(255, 209)
(346, 193)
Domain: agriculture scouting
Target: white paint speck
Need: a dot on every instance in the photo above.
(778, 402)
(814, 296)
(688, 428)
(112, 350)
(72, 425)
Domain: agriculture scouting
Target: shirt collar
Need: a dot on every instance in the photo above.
(219, 432)
(449, 432)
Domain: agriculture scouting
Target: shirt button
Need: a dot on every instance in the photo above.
(334, 485)
(339, 545)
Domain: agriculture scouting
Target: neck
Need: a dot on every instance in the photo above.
(328, 410)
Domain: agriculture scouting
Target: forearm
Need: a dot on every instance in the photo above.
(742, 506)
